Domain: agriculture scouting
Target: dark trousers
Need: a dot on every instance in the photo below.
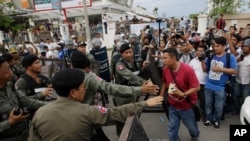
(202, 99)
(106, 27)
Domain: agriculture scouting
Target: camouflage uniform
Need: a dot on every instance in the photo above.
(10, 99)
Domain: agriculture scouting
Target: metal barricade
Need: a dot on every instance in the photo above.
(51, 66)
(133, 130)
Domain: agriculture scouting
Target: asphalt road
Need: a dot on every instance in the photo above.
(155, 126)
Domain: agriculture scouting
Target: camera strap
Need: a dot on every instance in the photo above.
(187, 98)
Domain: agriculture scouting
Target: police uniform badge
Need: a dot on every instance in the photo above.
(120, 67)
(102, 109)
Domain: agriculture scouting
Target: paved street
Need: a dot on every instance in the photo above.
(156, 128)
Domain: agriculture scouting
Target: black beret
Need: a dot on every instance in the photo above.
(79, 60)
(124, 47)
(66, 80)
(29, 60)
(7, 56)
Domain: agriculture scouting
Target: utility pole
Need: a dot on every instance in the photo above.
(86, 18)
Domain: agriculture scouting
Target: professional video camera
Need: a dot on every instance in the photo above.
(208, 54)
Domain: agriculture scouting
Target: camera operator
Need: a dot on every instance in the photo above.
(9, 99)
(195, 63)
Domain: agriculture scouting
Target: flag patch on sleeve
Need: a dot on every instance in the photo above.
(120, 67)
(102, 109)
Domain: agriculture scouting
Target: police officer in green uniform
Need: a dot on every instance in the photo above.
(18, 69)
(127, 73)
(67, 119)
(10, 99)
(96, 84)
(33, 83)
(9, 58)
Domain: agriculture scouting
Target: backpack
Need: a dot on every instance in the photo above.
(191, 57)
(227, 61)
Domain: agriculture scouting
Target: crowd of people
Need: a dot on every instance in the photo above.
(178, 64)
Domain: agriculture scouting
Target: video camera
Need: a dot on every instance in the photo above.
(208, 54)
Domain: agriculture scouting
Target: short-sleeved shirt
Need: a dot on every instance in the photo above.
(185, 78)
(217, 80)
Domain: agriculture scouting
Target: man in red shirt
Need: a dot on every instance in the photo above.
(180, 85)
(220, 24)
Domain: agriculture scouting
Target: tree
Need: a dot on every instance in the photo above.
(13, 22)
(155, 11)
(225, 7)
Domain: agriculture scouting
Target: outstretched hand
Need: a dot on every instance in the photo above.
(155, 101)
(149, 87)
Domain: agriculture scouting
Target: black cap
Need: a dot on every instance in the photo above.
(8, 57)
(29, 60)
(124, 47)
(79, 60)
(66, 80)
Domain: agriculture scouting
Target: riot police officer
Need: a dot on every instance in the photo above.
(127, 72)
(10, 99)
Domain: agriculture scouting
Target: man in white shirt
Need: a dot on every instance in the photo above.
(195, 63)
(242, 85)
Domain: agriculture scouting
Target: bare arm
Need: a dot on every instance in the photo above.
(163, 89)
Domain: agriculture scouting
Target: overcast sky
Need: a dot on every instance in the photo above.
(179, 8)
(169, 8)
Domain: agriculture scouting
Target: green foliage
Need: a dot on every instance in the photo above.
(225, 7)
(193, 16)
(13, 22)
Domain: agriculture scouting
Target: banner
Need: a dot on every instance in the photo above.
(44, 5)
(102, 56)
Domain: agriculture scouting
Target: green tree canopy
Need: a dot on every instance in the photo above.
(225, 6)
(12, 22)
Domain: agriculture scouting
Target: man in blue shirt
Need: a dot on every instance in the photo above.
(219, 71)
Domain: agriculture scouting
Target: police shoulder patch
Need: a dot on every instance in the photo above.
(120, 67)
(16, 86)
(102, 109)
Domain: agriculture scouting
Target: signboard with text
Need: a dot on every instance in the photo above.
(44, 5)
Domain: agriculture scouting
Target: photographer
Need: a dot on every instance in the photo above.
(10, 99)
(195, 63)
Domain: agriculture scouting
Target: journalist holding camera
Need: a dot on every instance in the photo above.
(196, 64)
(13, 114)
